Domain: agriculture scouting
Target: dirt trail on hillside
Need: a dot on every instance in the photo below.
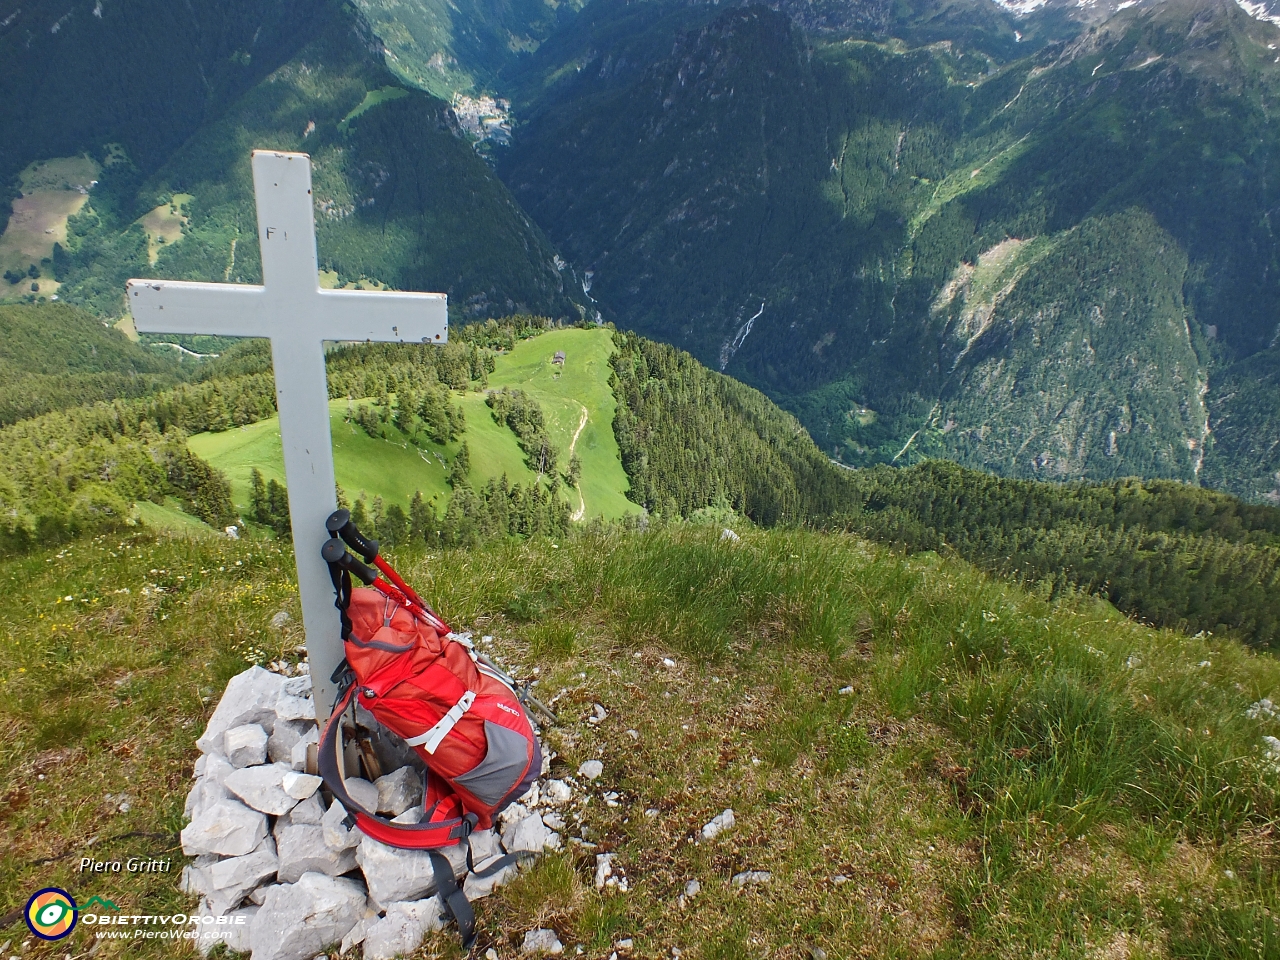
(582, 503)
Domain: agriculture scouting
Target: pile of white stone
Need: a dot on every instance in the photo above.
(287, 873)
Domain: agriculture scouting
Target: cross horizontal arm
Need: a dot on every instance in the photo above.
(216, 309)
(382, 316)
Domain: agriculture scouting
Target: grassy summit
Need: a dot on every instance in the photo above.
(1000, 774)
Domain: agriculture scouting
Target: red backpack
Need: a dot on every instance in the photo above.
(430, 687)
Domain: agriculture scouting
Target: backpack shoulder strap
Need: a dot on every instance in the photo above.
(444, 827)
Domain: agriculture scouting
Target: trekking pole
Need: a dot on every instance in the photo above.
(522, 690)
(341, 525)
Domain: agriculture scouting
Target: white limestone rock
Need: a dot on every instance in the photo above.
(259, 896)
(286, 735)
(300, 786)
(556, 792)
(231, 879)
(512, 813)
(208, 788)
(250, 697)
(604, 869)
(228, 828)
(233, 931)
(298, 752)
(362, 792)
(217, 769)
(484, 844)
(591, 769)
(245, 745)
(477, 887)
(531, 796)
(355, 936)
(394, 875)
(337, 835)
(310, 810)
(299, 686)
(398, 791)
(204, 795)
(299, 920)
(539, 942)
(295, 708)
(262, 788)
(302, 850)
(529, 834)
(401, 931)
(718, 824)
(751, 878)
(195, 875)
(412, 815)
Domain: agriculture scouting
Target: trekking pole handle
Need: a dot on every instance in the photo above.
(341, 525)
(335, 554)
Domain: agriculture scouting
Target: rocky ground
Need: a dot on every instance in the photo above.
(282, 875)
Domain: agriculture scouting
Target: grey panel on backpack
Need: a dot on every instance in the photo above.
(500, 770)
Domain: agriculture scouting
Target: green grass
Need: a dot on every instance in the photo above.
(582, 384)
(1002, 777)
(380, 468)
(371, 99)
(169, 517)
(394, 471)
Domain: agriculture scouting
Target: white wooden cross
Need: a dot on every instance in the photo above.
(298, 316)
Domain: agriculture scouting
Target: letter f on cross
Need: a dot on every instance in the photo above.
(297, 316)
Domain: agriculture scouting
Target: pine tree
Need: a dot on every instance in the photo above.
(461, 467)
(360, 515)
(259, 509)
(394, 528)
(421, 519)
(278, 510)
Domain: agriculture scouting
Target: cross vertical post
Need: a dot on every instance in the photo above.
(298, 317)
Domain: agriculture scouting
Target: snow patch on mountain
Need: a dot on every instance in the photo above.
(1260, 11)
(1021, 7)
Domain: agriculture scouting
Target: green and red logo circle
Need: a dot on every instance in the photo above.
(51, 913)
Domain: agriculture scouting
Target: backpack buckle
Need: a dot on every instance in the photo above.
(344, 677)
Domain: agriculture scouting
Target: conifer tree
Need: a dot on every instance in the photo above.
(461, 467)
(421, 519)
(258, 507)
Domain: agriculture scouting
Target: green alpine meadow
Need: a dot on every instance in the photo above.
(855, 452)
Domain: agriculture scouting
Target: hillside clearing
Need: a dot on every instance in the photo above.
(52, 191)
(164, 224)
(927, 763)
(395, 470)
(379, 468)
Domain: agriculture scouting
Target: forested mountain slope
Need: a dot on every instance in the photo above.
(144, 74)
(1048, 265)
(448, 47)
(53, 356)
(401, 198)
(494, 435)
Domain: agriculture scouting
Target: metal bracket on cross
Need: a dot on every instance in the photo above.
(297, 316)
